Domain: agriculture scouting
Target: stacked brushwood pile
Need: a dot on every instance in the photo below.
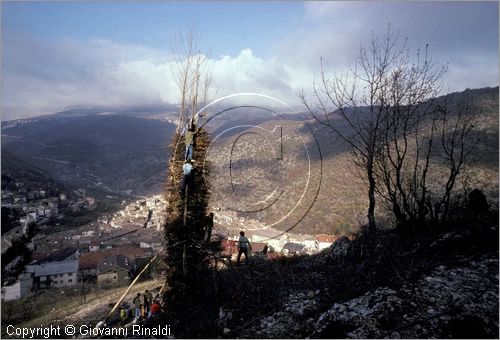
(190, 284)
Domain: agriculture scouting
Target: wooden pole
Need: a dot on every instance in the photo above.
(185, 230)
(130, 286)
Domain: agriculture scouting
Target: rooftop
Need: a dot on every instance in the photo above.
(93, 260)
(294, 247)
(58, 256)
(258, 246)
(53, 268)
(109, 267)
(325, 238)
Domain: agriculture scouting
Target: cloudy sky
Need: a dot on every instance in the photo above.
(62, 54)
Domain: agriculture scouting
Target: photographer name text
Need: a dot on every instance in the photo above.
(47, 332)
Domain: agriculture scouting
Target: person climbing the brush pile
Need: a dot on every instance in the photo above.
(187, 175)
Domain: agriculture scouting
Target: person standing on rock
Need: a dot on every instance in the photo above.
(243, 246)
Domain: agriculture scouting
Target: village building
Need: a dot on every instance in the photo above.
(292, 248)
(324, 241)
(18, 289)
(90, 264)
(59, 269)
(151, 242)
(276, 239)
(20, 199)
(259, 247)
(88, 233)
(308, 241)
(115, 270)
(112, 275)
(94, 247)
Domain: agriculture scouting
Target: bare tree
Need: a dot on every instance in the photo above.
(399, 132)
(423, 137)
(458, 144)
(191, 74)
(360, 97)
(408, 135)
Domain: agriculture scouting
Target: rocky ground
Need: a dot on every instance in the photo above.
(449, 302)
(443, 285)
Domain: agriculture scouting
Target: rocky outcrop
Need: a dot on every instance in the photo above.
(297, 316)
(459, 301)
(449, 302)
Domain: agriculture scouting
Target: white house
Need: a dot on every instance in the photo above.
(19, 289)
(54, 274)
(150, 244)
(308, 241)
(276, 239)
(324, 241)
(59, 269)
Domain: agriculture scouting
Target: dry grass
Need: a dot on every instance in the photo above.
(341, 204)
(64, 306)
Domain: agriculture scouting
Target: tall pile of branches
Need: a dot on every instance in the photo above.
(190, 287)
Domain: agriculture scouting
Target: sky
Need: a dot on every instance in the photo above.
(56, 55)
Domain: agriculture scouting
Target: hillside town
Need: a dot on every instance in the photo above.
(106, 252)
(114, 248)
(264, 240)
(28, 199)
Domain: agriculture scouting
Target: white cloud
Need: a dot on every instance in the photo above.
(464, 35)
(40, 79)
(248, 73)
(99, 72)
(43, 77)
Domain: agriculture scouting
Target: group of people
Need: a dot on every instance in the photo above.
(145, 306)
(189, 137)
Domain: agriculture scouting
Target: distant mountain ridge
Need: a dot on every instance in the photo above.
(74, 111)
(342, 201)
(126, 153)
(125, 150)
